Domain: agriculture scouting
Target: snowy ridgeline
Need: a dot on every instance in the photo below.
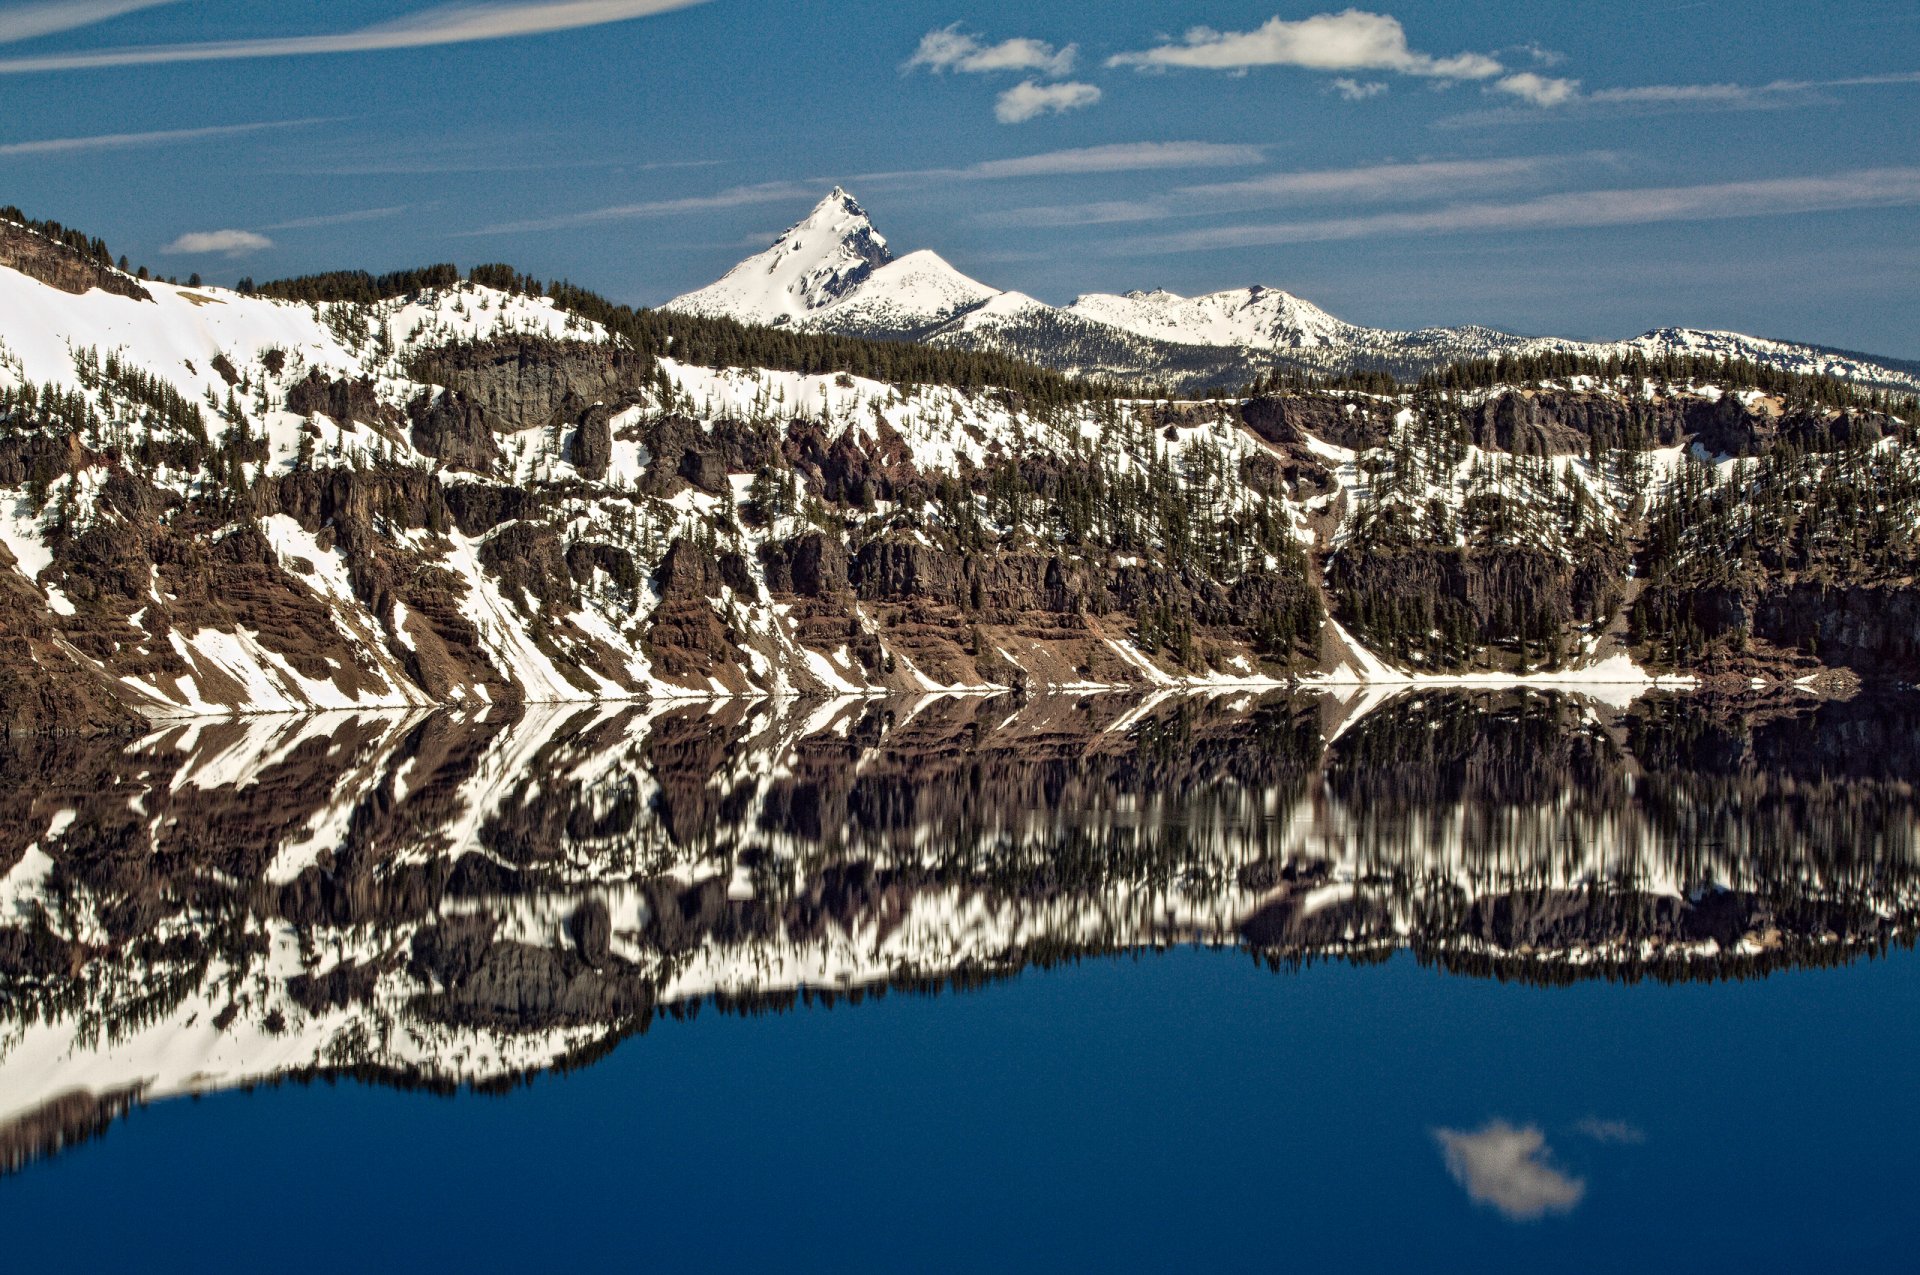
(639, 859)
(218, 503)
(833, 272)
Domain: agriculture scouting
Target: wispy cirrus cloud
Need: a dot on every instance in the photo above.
(1613, 1133)
(1860, 188)
(1371, 183)
(733, 197)
(1117, 157)
(1030, 99)
(127, 141)
(444, 24)
(31, 21)
(352, 217)
(951, 49)
(1508, 1169)
(1657, 98)
(225, 243)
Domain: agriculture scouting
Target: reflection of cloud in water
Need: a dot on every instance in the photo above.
(1507, 1168)
(1617, 1133)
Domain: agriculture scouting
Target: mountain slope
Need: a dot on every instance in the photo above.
(822, 275)
(218, 503)
(820, 260)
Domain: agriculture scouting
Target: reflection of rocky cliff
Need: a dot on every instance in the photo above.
(442, 899)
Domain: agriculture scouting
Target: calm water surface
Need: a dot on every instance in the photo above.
(1456, 981)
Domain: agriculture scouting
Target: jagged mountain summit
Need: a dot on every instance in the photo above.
(833, 273)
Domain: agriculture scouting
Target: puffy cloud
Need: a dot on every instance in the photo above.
(445, 24)
(1508, 1169)
(1357, 90)
(228, 243)
(1029, 98)
(1540, 90)
(1353, 40)
(951, 49)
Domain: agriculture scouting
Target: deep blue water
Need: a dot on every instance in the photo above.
(1186, 1110)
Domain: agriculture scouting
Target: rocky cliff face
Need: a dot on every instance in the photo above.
(58, 266)
(217, 503)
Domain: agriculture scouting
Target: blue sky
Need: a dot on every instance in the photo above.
(1588, 169)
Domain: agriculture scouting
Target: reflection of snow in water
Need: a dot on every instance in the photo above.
(467, 896)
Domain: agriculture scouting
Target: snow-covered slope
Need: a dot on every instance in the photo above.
(826, 275)
(822, 259)
(904, 299)
(1257, 318)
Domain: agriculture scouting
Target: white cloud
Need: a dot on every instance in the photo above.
(733, 197)
(30, 21)
(1508, 1168)
(951, 49)
(1357, 90)
(1860, 188)
(1027, 99)
(229, 243)
(1354, 40)
(122, 141)
(1540, 90)
(445, 24)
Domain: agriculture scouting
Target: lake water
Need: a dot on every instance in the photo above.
(1453, 980)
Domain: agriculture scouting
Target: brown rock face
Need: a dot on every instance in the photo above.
(59, 266)
(338, 398)
(532, 382)
(593, 442)
(454, 428)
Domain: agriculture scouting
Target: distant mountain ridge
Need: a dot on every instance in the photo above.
(833, 272)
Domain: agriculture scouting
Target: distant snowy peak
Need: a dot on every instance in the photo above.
(833, 273)
(904, 299)
(820, 260)
(1257, 318)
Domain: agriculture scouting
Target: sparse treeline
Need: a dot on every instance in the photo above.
(707, 342)
(90, 247)
(1670, 371)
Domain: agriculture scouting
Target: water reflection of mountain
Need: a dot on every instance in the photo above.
(440, 899)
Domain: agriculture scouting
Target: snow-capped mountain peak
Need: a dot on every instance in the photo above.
(832, 272)
(821, 259)
(1258, 317)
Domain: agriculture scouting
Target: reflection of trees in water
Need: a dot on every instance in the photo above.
(439, 899)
